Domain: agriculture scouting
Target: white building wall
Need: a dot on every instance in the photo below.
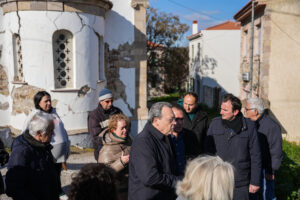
(219, 62)
(36, 29)
(224, 47)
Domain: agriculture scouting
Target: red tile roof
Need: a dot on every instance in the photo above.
(229, 25)
(154, 44)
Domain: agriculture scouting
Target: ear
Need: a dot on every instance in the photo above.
(235, 112)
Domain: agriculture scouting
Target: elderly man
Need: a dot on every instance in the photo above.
(152, 165)
(195, 120)
(234, 139)
(184, 141)
(98, 118)
(270, 138)
(31, 171)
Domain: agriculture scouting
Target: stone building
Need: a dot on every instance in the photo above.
(215, 61)
(72, 49)
(276, 59)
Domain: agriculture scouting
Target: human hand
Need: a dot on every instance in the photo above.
(253, 188)
(124, 159)
(270, 177)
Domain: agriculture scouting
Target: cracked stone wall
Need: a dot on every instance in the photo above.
(23, 99)
(119, 70)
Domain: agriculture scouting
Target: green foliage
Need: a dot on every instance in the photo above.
(169, 98)
(165, 62)
(288, 177)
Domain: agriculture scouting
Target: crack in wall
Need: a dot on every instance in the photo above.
(86, 25)
(54, 21)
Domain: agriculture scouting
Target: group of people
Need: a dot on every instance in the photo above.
(170, 155)
(178, 155)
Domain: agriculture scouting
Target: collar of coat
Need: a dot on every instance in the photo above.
(156, 133)
(33, 142)
(109, 138)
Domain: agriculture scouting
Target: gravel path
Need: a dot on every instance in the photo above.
(74, 163)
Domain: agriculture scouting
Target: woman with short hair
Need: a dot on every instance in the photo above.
(207, 178)
(116, 147)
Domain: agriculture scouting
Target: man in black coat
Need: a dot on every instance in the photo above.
(31, 171)
(98, 118)
(185, 143)
(195, 120)
(269, 134)
(152, 165)
(234, 139)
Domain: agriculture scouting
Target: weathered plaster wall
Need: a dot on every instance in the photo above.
(284, 73)
(36, 29)
(121, 66)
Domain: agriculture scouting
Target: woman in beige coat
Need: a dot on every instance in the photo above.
(116, 147)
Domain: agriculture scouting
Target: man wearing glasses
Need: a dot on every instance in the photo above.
(269, 135)
(184, 141)
(98, 118)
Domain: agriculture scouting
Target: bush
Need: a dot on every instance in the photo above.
(288, 177)
(169, 98)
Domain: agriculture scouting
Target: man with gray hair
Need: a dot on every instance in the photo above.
(31, 170)
(152, 165)
(270, 139)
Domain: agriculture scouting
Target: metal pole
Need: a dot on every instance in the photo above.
(251, 49)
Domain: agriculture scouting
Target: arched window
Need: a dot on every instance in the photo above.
(63, 59)
(18, 63)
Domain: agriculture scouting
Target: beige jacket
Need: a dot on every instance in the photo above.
(112, 150)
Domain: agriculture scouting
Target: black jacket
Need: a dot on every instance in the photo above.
(198, 125)
(191, 146)
(97, 122)
(269, 134)
(152, 166)
(31, 171)
(240, 149)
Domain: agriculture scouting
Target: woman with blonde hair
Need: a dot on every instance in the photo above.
(115, 151)
(207, 178)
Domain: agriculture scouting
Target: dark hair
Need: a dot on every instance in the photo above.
(94, 181)
(192, 94)
(235, 102)
(178, 107)
(38, 97)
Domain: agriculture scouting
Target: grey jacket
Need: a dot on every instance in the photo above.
(269, 134)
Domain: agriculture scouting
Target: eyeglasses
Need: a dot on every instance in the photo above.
(247, 109)
(178, 119)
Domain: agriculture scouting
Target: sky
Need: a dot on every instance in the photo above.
(207, 12)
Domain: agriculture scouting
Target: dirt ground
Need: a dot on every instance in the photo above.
(76, 160)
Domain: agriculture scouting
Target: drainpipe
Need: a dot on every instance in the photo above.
(251, 50)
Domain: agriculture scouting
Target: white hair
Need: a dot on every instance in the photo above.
(39, 122)
(256, 103)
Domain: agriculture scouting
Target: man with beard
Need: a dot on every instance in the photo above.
(184, 142)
